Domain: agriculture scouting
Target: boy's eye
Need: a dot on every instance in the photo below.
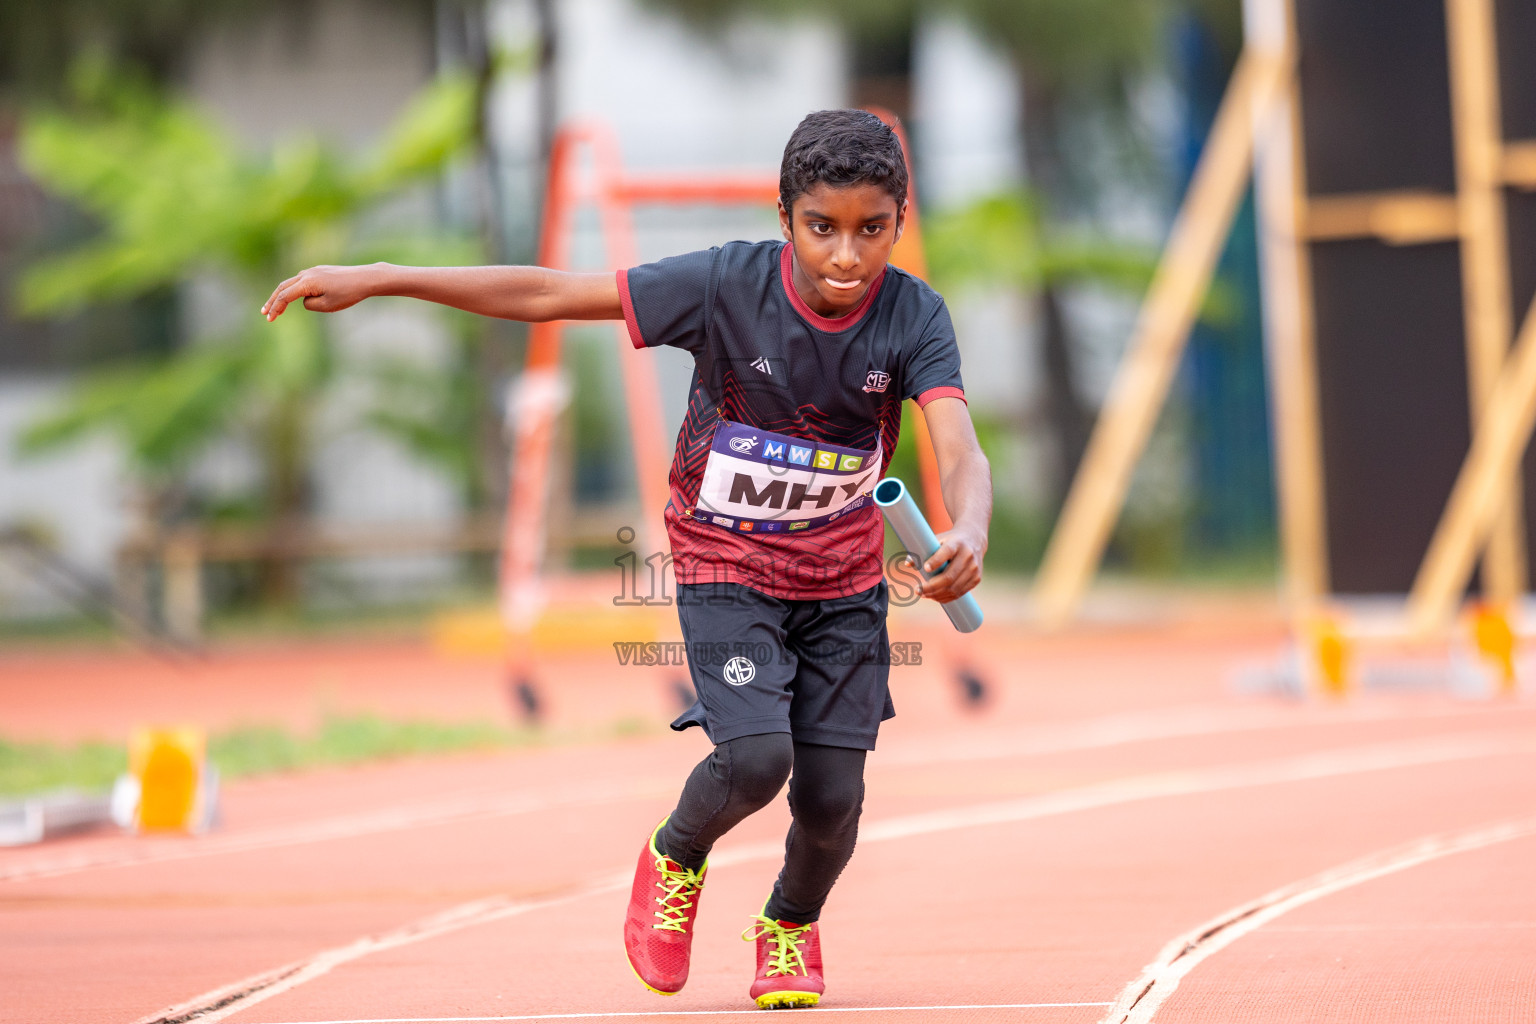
(873, 229)
(820, 228)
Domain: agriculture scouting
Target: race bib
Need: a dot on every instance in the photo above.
(757, 481)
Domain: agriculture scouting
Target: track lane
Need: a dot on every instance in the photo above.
(547, 946)
(1088, 737)
(1450, 939)
(928, 1010)
(377, 882)
(1144, 995)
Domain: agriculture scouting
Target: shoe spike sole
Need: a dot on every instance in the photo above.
(787, 1000)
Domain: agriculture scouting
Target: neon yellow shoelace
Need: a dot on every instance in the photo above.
(783, 945)
(678, 889)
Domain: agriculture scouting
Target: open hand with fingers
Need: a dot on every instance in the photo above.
(324, 289)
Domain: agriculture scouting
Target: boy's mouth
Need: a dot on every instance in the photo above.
(842, 286)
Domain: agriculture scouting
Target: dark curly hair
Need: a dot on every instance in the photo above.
(842, 148)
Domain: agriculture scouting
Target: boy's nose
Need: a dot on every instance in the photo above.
(844, 254)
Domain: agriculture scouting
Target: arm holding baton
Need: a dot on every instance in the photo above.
(893, 499)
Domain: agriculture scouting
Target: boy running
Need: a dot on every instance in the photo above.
(803, 354)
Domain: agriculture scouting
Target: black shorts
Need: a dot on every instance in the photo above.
(818, 670)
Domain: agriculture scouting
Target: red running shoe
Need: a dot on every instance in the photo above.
(788, 963)
(658, 930)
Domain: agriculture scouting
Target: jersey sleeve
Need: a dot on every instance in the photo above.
(666, 302)
(933, 367)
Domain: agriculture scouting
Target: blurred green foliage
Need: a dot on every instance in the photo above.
(1082, 70)
(350, 739)
(42, 37)
(176, 200)
(1081, 41)
(1003, 239)
(1016, 539)
(27, 768)
(436, 413)
(1082, 56)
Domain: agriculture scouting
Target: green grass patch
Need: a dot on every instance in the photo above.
(351, 739)
(27, 768)
(39, 767)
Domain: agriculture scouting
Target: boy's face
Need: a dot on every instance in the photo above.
(842, 239)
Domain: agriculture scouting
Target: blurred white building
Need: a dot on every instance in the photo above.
(678, 99)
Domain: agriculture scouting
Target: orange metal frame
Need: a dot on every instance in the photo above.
(538, 396)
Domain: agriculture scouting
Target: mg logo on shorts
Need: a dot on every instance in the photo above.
(877, 381)
(739, 671)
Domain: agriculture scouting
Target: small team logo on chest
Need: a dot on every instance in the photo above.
(877, 381)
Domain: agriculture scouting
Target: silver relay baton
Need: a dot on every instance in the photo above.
(892, 498)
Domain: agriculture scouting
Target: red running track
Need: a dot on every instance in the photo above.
(1118, 837)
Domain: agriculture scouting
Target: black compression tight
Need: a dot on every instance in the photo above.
(826, 792)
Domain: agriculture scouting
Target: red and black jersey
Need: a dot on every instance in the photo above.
(765, 359)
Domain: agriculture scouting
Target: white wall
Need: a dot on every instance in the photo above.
(681, 100)
(966, 116)
(678, 100)
(341, 73)
(76, 498)
(965, 106)
(966, 109)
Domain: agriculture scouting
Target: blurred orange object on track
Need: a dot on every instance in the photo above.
(1494, 636)
(170, 766)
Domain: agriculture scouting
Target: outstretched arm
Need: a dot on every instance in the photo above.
(966, 480)
(532, 294)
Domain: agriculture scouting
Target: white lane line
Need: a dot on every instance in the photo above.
(1327, 764)
(1142, 998)
(241, 995)
(684, 1013)
(441, 812)
(1090, 734)
(1413, 926)
(1158, 724)
(229, 999)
